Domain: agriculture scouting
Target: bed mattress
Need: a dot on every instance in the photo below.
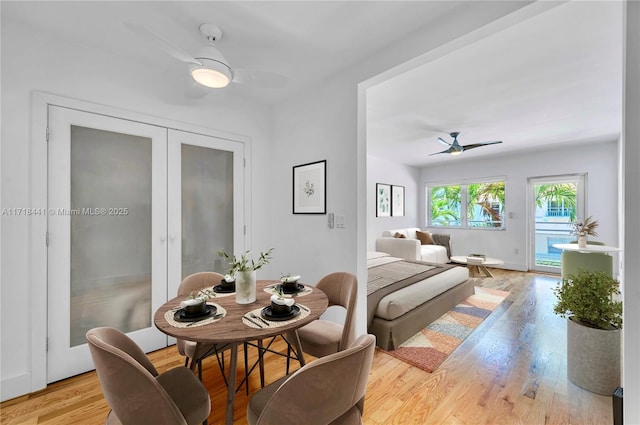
(406, 299)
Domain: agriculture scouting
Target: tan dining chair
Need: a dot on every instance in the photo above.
(197, 351)
(322, 337)
(136, 392)
(326, 391)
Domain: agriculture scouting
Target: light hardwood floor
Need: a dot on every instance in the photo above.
(511, 370)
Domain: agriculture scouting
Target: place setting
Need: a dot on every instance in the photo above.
(289, 285)
(226, 287)
(194, 312)
(281, 311)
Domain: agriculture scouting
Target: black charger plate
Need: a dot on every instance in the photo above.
(224, 289)
(292, 289)
(267, 314)
(182, 316)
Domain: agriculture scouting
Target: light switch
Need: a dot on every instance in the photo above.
(340, 221)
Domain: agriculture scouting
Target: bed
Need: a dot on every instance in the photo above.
(405, 296)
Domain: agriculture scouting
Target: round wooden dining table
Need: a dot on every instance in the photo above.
(238, 326)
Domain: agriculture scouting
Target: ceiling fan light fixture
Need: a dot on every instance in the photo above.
(455, 152)
(212, 73)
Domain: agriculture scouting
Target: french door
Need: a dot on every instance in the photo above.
(132, 208)
(205, 176)
(556, 201)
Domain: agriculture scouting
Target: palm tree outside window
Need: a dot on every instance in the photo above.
(472, 205)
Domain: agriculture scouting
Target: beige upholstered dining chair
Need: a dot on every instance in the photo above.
(136, 392)
(196, 351)
(322, 337)
(326, 391)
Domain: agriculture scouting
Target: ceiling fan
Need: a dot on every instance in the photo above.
(209, 67)
(456, 148)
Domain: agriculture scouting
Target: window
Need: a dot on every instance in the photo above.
(485, 204)
(446, 205)
(472, 205)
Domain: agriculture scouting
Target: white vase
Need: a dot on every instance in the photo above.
(582, 241)
(245, 287)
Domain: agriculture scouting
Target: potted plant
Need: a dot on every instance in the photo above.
(582, 228)
(594, 326)
(243, 268)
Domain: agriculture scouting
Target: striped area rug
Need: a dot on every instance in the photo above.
(431, 346)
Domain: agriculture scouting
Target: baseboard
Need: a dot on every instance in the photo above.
(512, 266)
(15, 386)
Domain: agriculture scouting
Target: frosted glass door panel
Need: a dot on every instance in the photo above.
(107, 224)
(206, 203)
(110, 231)
(207, 208)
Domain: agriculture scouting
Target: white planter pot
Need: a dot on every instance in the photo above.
(245, 287)
(593, 358)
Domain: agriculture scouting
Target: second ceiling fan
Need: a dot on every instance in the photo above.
(456, 148)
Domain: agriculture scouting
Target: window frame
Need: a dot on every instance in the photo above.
(464, 204)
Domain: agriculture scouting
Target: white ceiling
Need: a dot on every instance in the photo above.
(304, 41)
(555, 78)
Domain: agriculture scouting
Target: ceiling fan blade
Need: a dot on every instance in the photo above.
(258, 78)
(444, 142)
(477, 145)
(444, 151)
(161, 43)
(195, 90)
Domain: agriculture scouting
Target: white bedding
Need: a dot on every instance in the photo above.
(376, 258)
(406, 299)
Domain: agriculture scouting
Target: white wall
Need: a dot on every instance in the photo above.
(323, 123)
(631, 224)
(599, 161)
(384, 171)
(72, 70)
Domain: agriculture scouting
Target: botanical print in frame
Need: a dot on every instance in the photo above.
(383, 200)
(309, 188)
(397, 201)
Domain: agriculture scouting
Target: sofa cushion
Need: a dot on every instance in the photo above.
(433, 254)
(424, 238)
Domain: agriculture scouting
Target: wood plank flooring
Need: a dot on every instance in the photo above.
(511, 370)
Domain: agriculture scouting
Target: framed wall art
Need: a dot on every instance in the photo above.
(310, 188)
(397, 201)
(383, 200)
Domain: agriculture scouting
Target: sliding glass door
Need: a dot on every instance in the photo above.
(556, 201)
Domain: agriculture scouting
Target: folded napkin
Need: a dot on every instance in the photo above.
(275, 298)
(191, 301)
(290, 278)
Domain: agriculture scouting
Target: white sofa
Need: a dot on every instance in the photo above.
(410, 247)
